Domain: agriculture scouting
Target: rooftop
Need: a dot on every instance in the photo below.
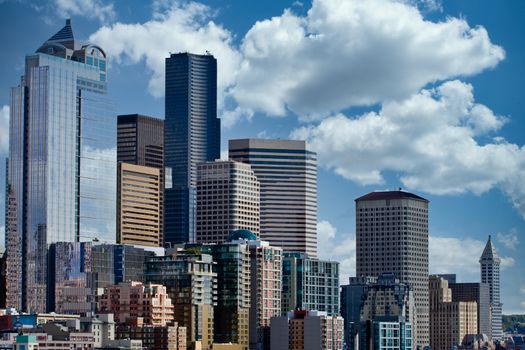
(384, 195)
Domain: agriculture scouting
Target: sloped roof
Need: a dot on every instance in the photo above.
(64, 34)
(383, 195)
(489, 253)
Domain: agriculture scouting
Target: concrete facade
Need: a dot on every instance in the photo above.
(138, 205)
(450, 320)
(227, 200)
(392, 236)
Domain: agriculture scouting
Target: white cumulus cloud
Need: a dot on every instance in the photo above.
(4, 129)
(174, 27)
(345, 53)
(92, 9)
(430, 139)
(342, 53)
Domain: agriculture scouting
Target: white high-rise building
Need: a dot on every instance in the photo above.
(490, 263)
(227, 200)
(392, 236)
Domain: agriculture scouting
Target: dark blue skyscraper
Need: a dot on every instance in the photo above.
(191, 136)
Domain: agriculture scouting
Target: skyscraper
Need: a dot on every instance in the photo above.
(138, 205)
(62, 159)
(490, 263)
(287, 173)
(392, 236)
(227, 200)
(140, 141)
(191, 136)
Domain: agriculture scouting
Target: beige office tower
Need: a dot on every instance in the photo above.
(450, 321)
(138, 205)
(287, 173)
(227, 200)
(392, 236)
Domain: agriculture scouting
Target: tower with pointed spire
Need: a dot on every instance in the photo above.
(490, 263)
(62, 161)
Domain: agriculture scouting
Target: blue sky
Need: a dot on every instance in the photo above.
(423, 95)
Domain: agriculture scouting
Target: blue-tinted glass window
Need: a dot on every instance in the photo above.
(89, 60)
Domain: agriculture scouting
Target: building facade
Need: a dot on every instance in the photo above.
(102, 327)
(62, 160)
(479, 293)
(392, 236)
(386, 304)
(70, 278)
(227, 200)
(192, 285)
(191, 136)
(309, 284)
(232, 312)
(307, 330)
(139, 205)
(168, 337)
(287, 173)
(352, 295)
(490, 274)
(129, 301)
(266, 266)
(450, 320)
(390, 334)
(140, 141)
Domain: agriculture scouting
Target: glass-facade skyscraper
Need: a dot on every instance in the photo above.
(62, 161)
(191, 136)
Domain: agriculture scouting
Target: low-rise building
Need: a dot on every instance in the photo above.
(167, 337)
(102, 327)
(131, 300)
(306, 330)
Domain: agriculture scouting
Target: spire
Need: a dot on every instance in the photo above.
(64, 34)
(489, 253)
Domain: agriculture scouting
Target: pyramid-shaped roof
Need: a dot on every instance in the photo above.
(64, 34)
(489, 253)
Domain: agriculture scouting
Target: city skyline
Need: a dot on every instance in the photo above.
(450, 224)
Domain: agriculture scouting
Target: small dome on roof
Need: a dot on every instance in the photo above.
(247, 235)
